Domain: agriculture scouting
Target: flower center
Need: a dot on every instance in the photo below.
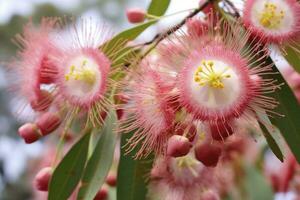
(82, 73)
(83, 77)
(271, 17)
(205, 74)
(187, 162)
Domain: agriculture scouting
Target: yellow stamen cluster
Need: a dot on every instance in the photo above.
(187, 162)
(271, 17)
(81, 73)
(206, 75)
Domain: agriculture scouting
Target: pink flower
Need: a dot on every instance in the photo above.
(215, 80)
(148, 112)
(276, 21)
(33, 67)
(83, 82)
(183, 178)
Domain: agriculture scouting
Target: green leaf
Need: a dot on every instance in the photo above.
(269, 130)
(256, 185)
(128, 35)
(293, 58)
(288, 125)
(100, 162)
(132, 174)
(69, 171)
(158, 7)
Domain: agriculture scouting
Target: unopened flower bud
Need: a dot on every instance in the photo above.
(136, 15)
(42, 179)
(48, 122)
(178, 146)
(220, 131)
(102, 194)
(208, 154)
(111, 179)
(29, 132)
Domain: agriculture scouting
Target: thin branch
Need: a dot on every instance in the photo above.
(159, 37)
(165, 34)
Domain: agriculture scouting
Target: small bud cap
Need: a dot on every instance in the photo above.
(208, 154)
(29, 132)
(178, 146)
(111, 179)
(42, 179)
(135, 15)
(220, 131)
(102, 194)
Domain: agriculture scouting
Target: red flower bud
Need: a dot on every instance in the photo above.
(208, 154)
(178, 146)
(102, 194)
(136, 15)
(29, 132)
(42, 179)
(111, 179)
(220, 131)
(48, 122)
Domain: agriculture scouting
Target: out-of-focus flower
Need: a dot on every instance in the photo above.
(275, 21)
(149, 113)
(183, 178)
(33, 67)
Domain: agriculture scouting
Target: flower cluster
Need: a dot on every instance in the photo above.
(197, 87)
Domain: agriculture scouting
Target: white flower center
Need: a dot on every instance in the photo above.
(215, 84)
(82, 76)
(274, 16)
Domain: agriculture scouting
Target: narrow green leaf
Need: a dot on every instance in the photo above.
(256, 185)
(129, 34)
(269, 130)
(288, 125)
(69, 171)
(158, 7)
(293, 58)
(100, 162)
(132, 174)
